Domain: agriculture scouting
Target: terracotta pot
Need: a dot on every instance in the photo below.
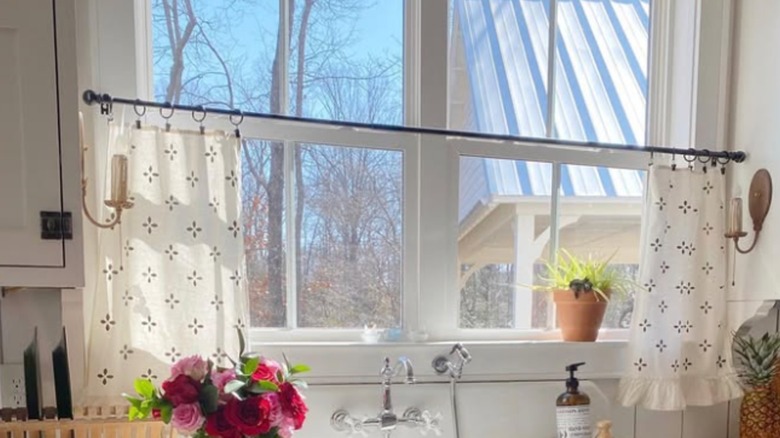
(579, 318)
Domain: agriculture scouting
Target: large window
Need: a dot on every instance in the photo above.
(348, 228)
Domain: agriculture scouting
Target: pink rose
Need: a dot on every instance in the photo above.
(275, 416)
(193, 366)
(267, 370)
(286, 429)
(187, 419)
(221, 378)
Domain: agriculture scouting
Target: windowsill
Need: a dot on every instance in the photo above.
(494, 360)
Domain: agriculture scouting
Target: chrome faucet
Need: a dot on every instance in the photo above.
(387, 420)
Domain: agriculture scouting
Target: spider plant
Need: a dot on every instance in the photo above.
(583, 275)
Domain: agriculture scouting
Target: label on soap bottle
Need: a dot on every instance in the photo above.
(573, 421)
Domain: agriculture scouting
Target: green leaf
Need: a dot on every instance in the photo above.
(166, 411)
(209, 398)
(241, 342)
(133, 400)
(300, 368)
(263, 386)
(144, 388)
(134, 414)
(250, 365)
(233, 386)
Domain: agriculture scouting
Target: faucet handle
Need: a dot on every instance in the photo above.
(387, 370)
(424, 420)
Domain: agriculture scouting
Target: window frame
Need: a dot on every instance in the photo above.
(430, 301)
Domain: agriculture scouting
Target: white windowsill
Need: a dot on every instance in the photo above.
(523, 360)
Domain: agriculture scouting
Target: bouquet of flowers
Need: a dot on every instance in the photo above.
(259, 397)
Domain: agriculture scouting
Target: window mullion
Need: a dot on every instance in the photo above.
(551, 55)
(289, 172)
(555, 221)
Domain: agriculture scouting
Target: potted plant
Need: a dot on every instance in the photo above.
(581, 289)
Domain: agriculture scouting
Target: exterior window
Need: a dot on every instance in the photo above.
(500, 65)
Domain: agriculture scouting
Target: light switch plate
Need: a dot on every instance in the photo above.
(12, 385)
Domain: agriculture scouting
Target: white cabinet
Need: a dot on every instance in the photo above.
(39, 155)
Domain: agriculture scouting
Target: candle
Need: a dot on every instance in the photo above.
(119, 178)
(735, 225)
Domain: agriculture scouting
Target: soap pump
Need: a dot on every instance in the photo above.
(573, 408)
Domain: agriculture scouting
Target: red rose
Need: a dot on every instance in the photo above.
(156, 414)
(251, 416)
(292, 403)
(265, 372)
(217, 425)
(181, 390)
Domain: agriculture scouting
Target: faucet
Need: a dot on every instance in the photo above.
(387, 420)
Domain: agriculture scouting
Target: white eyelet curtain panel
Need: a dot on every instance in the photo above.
(679, 350)
(169, 280)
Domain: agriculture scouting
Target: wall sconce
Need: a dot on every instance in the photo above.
(759, 200)
(119, 200)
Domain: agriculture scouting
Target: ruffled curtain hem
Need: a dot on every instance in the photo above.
(675, 394)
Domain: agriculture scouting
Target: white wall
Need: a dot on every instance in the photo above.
(755, 127)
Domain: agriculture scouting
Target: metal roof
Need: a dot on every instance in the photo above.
(601, 89)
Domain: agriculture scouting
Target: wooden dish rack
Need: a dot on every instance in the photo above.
(92, 428)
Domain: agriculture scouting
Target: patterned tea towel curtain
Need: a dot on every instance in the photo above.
(169, 281)
(679, 350)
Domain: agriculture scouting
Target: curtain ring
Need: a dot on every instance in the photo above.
(167, 118)
(704, 158)
(138, 112)
(236, 124)
(652, 158)
(674, 162)
(201, 119)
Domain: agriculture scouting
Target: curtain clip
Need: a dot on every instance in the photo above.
(167, 118)
(237, 123)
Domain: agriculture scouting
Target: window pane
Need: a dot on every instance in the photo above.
(504, 216)
(217, 53)
(499, 67)
(601, 213)
(262, 191)
(601, 70)
(346, 60)
(349, 237)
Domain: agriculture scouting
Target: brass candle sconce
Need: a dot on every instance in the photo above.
(759, 201)
(119, 180)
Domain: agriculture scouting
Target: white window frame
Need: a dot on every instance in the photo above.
(118, 64)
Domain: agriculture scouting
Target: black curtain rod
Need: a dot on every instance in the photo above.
(106, 101)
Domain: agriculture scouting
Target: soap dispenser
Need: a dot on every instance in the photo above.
(573, 408)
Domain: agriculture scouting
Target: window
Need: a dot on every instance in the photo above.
(346, 228)
(500, 70)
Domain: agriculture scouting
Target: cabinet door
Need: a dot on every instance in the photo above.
(30, 175)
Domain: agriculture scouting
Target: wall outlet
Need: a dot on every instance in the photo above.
(12, 386)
